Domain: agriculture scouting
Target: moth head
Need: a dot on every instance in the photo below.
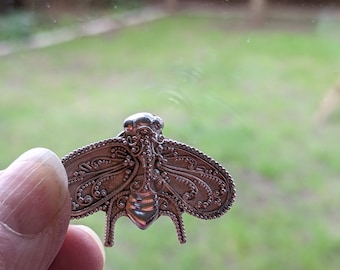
(135, 121)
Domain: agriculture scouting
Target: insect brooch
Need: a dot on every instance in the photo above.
(143, 175)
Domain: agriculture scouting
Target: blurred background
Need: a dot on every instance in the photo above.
(254, 84)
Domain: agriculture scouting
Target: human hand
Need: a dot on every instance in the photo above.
(35, 211)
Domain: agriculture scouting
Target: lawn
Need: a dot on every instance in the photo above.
(246, 98)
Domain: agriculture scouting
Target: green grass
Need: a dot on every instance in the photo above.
(246, 98)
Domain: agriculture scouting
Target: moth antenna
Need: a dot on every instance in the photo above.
(178, 221)
(171, 209)
(109, 230)
(113, 213)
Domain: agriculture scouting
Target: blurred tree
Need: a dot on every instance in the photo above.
(257, 12)
(257, 7)
(171, 5)
(8, 5)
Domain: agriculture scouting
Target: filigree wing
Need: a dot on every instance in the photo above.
(201, 186)
(96, 173)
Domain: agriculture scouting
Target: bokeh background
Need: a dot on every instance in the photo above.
(254, 84)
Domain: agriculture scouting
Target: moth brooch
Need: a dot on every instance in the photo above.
(143, 175)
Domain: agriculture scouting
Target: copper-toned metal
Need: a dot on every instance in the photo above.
(142, 175)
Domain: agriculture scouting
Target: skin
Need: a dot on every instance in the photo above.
(34, 218)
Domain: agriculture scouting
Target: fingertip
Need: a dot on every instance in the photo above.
(94, 237)
(35, 210)
(82, 249)
(34, 189)
(49, 159)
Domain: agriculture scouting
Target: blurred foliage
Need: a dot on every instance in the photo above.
(16, 25)
(21, 24)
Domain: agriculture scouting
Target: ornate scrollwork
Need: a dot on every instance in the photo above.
(142, 175)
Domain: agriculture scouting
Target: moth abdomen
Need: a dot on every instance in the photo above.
(142, 208)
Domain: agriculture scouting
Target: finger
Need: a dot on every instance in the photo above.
(82, 249)
(34, 210)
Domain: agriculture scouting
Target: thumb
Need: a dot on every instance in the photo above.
(34, 210)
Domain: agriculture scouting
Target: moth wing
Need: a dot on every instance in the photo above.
(201, 186)
(96, 173)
